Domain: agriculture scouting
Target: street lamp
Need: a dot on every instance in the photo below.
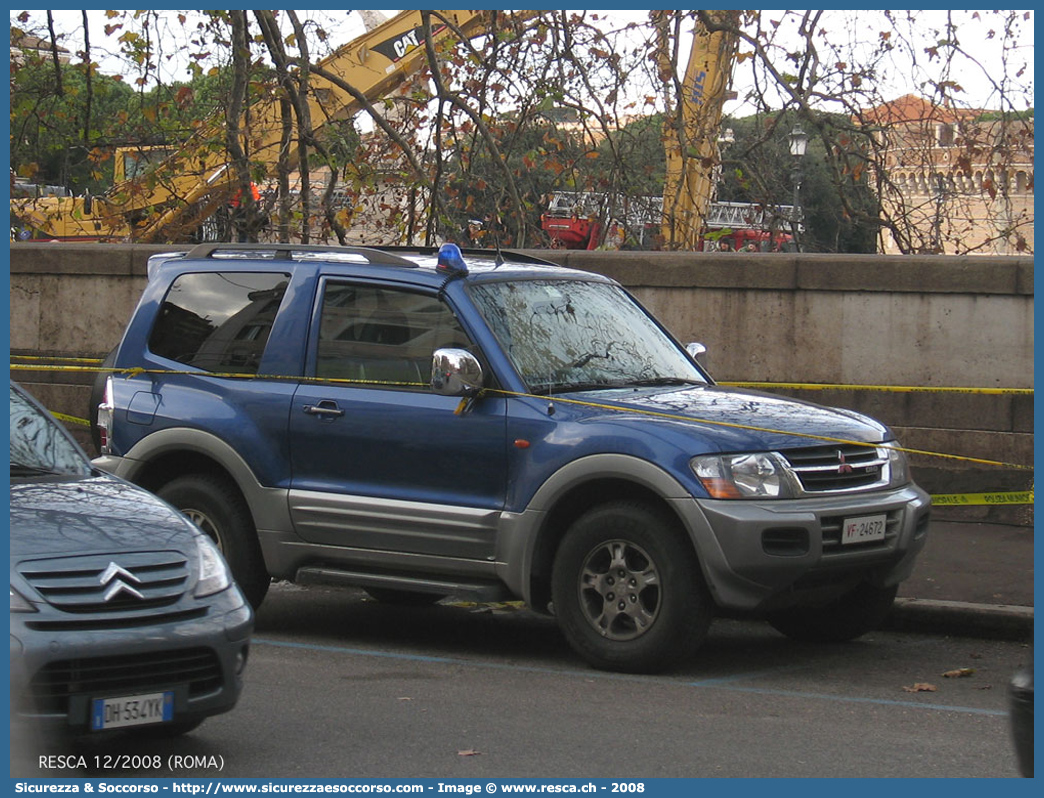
(798, 139)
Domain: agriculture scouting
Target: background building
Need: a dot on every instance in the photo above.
(960, 181)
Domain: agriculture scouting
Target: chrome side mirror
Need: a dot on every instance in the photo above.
(455, 372)
(695, 350)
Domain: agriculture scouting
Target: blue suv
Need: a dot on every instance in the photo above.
(424, 423)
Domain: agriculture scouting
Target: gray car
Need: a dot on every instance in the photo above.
(123, 614)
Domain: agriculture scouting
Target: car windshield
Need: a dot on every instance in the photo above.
(572, 335)
(39, 446)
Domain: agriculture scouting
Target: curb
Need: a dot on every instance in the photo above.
(961, 618)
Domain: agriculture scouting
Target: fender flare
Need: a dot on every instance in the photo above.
(517, 544)
(269, 504)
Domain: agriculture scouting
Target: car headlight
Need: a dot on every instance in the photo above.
(20, 603)
(214, 575)
(898, 466)
(760, 475)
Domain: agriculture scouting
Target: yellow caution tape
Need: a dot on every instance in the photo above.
(814, 386)
(137, 372)
(71, 419)
(752, 428)
(974, 499)
(614, 408)
(34, 359)
(802, 386)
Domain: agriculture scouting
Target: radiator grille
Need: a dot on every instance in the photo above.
(110, 584)
(838, 467)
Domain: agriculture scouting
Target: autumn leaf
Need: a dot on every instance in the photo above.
(469, 752)
(959, 673)
(920, 687)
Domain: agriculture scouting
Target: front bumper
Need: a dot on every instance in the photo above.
(773, 554)
(56, 673)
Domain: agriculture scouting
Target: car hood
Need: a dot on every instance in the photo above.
(74, 516)
(731, 419)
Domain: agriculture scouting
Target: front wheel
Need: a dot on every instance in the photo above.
(214, 504)
(845, 618)
(627, 589)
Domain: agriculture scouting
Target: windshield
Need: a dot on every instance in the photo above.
(39, 445)
(571, 335)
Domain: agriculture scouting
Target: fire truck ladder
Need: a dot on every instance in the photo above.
(750, 216)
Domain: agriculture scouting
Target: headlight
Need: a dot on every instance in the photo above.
(214, 575)
(898, 467)
(761, 475)
(20, 603)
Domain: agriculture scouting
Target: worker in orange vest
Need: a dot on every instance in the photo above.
(239, 213)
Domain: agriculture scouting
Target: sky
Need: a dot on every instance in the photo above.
(851, 25)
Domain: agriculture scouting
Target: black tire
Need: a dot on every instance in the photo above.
(405, 598)
(97, 394)
(664, 616)
(847, 617)
(217, 507)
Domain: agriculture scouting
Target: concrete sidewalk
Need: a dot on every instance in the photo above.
(973, 579)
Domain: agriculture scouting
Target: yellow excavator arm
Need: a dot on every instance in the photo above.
(167, 202)
(691, 138)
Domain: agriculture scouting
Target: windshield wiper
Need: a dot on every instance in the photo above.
(653, 382)
(577, 387)
(23, 470)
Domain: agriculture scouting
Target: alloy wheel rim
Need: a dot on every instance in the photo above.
(202, 520)
(619, 590)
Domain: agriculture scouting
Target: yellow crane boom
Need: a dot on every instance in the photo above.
(167, 202)
(691, 138)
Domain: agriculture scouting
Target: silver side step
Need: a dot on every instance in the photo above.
(475, 591)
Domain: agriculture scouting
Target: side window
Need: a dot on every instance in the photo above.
(218, 321)
(382, 337)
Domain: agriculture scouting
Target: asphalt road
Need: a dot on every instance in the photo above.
(340, 686)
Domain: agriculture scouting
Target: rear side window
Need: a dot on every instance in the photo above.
(218, 321)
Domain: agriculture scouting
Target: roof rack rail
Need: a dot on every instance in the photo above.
(516, 255)
(285, 252)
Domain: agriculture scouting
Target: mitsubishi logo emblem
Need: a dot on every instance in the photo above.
(843, 467)
(117, 579)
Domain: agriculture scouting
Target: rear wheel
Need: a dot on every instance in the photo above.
(215, 505)
(845, 618)
(627, 589)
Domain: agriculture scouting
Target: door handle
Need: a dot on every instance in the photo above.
(325, 409)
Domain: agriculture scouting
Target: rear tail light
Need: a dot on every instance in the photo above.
(105, 418)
